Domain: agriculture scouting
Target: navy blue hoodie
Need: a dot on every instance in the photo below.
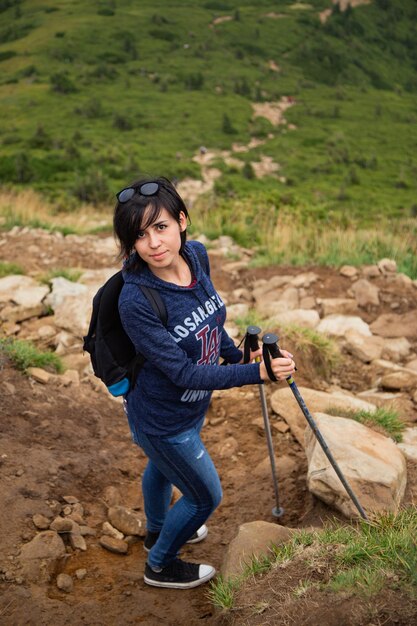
(174, 386)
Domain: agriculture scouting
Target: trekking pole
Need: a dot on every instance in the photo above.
(270, 347)
(251, 343)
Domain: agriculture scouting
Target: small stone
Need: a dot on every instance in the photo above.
(20, 472)
(126, 521)
(215, 421)
(78, 509)
(113, 545)
(387, 266)
(111, 531)
(55, 506)
(282, 427)
(70, 499)
(87, 531)
(61, 525)
(349, 271)
(41, 521)
(76, 518)
(131, 539)
(65, 583)
(77, 541)
(38, 374)
(81, 573)
(67, 510)
(46, 331)
(71, 377)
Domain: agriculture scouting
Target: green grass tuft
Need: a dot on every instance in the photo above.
(368, 556)
(69, 273)
(24, 354)
(386, 419)
(222, 592)
(313, 349)
(8, 269)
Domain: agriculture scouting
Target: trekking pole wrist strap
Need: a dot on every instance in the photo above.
(246, 349)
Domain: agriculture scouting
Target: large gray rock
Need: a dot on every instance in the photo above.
(365, 293)
(21, 298)
(372, 464)
(396, 325)
(304, 280)
(262, 288)
(277, 301)
(22, 290)
(284, 404)
(253, 539)
(365, 348)
(339, 325)
(342, 306)
(402, 378)
(234, 311)
(396, 349)
(42, 557)
(71, 303)
(96, 277)
(305, 318)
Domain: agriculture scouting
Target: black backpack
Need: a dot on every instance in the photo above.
(113, 355)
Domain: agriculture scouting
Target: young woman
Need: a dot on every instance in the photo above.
(167, 406)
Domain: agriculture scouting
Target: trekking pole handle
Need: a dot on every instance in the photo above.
(271, 342)
(252, 333)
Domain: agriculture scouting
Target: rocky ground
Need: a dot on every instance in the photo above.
(66, 453)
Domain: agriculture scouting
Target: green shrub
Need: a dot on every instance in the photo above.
(61, 83)
(227, 126)
(7, 54)
(92, 187)
(40, 139)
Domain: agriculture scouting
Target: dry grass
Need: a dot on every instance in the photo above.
(30, 208)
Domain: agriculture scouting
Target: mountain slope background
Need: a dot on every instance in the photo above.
(93, 93)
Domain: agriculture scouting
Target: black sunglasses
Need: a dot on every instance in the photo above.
(147, 189)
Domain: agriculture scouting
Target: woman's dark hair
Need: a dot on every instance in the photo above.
(128, 219)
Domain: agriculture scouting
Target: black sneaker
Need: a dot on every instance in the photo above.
(151, 538)
(179, 575)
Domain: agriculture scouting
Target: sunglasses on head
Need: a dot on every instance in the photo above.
(146, 189)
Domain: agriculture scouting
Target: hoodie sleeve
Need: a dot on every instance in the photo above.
(228, 350)
(151, 338)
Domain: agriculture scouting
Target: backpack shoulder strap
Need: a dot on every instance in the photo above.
(156, 302)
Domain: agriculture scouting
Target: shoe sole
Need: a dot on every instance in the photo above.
(196, 540)
(173, 585)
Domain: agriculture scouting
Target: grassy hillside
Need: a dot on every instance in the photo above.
(93, 93)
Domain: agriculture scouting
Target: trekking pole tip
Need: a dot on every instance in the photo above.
(278, 511)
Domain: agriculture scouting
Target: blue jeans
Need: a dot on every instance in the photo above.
(183, 461)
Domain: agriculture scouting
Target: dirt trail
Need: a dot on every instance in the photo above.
(64, 440)
(190, 188)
